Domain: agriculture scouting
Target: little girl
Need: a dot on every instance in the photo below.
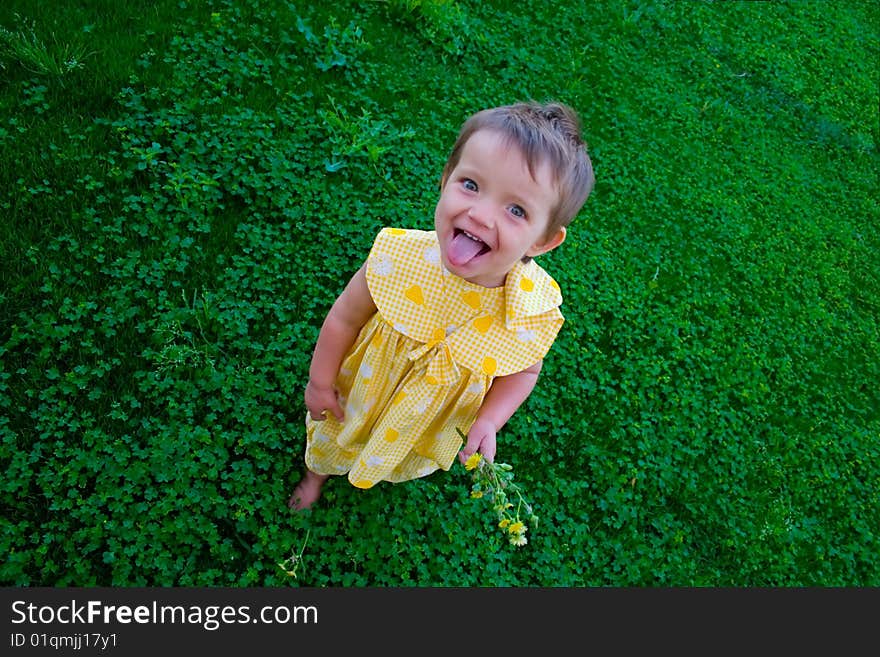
(448, 328)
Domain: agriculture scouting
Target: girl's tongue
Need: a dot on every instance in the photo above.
(463, 249)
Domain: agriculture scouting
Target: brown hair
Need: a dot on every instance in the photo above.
(544, 133)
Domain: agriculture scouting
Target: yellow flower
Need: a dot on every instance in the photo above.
(495, 481)
(473, 461)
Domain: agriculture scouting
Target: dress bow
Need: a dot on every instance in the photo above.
(441, 369)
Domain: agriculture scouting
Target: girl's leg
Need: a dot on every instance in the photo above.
(307, 491)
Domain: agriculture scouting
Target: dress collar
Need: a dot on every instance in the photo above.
(529, 291)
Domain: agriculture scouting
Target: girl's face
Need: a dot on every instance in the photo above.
(492, 212)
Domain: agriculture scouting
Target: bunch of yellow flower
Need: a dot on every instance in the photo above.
(496, 479)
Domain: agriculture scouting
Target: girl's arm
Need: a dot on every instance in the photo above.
(506, 394)
(351, 310)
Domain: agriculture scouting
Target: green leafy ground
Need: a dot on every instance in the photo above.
(186, 186)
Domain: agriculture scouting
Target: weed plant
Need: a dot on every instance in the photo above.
(186, 186)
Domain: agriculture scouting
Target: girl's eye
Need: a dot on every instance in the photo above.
(517, 211)
(469, 185)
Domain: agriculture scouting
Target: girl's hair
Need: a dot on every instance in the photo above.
(544, 133)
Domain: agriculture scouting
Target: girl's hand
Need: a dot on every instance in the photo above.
(481, 438)
(319, 400)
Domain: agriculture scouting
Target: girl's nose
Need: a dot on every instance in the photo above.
(482, 214)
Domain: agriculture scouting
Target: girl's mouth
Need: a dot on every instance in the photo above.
(465, 247)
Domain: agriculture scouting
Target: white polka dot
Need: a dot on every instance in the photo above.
(400, 328)
(525, 335)
(432, 255)
(452, 328)
(475, 388)
(375, 460)
(366, 371)
(383, 265)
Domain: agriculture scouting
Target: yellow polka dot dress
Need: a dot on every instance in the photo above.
(423, 363)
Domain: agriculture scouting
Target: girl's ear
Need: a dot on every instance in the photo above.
(548, 245)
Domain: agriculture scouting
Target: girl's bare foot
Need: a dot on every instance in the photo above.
(307, 491)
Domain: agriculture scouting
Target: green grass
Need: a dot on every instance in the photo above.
(188, 185)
